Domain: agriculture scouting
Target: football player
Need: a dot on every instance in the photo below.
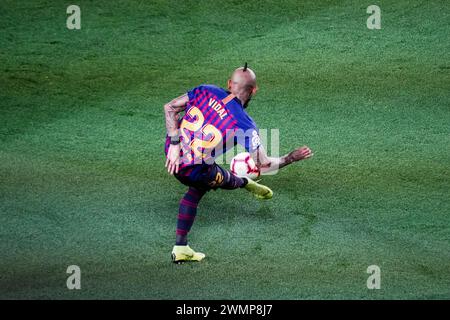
(215, 120)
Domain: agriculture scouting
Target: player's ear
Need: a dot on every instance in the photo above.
(254, 90)
(229, 84)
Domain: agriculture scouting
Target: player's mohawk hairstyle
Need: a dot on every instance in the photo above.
(245, 67)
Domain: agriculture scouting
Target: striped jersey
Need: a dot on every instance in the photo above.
(214, 122)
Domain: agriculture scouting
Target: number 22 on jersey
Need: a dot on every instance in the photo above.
(206, 136)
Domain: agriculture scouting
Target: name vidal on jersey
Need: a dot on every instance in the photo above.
(218, 108)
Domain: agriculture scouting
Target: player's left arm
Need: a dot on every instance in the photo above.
(171, 112)
(268, 164)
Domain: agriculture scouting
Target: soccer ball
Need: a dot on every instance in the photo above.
(242, 165)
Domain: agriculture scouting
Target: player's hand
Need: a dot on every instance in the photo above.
(173, 159)
(301, 154)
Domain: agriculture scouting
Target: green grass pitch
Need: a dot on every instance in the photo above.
(82, 178)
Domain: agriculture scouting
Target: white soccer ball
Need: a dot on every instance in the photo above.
(242, 165)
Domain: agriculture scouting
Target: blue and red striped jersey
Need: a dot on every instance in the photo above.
(214, 122)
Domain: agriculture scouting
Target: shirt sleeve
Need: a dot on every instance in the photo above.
(193, 93)
(252, 141)
(248, 136)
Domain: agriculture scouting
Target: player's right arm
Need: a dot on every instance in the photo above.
(171, 112)
(268, 164)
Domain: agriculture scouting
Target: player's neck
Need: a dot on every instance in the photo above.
(241, 99)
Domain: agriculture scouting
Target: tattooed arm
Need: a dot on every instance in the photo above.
(171, 112)
(268, 164)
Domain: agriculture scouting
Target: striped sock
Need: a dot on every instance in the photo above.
(187, 213)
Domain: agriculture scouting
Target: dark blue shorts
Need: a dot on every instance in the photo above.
(207, 177)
